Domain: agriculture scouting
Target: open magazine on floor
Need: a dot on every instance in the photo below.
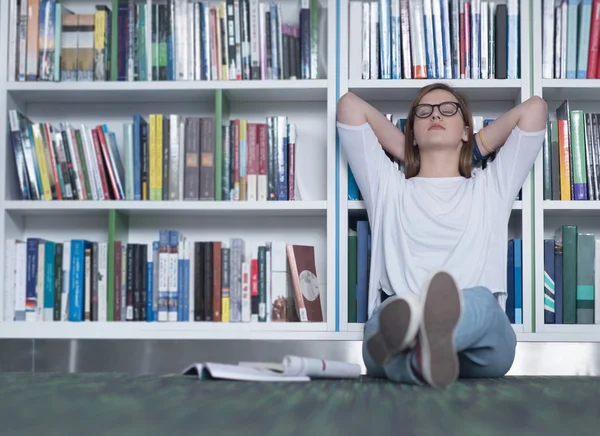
(291, 369)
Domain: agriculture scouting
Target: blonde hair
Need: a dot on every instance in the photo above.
(412, 156)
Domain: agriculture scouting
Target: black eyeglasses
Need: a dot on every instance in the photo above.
(446, 108)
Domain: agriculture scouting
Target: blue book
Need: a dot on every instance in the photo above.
(518, 263)
(362, 276)
(510, 282)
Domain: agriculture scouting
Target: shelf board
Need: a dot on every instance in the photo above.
(163, 330)
(383, 90)
(574, 89)
(167, 91)
(168, 208)
(579, 208)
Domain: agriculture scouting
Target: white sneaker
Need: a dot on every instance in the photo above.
(436, 355)
(398, 326)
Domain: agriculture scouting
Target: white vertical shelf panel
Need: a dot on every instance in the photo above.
(4, 129)
(333, 303)
(538, 223)
(528, 186)
(311, 102)
(343, 172)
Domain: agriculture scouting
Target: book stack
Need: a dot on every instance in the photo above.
(571, 277)
(359, 256)
(171, 279)
(571, 155)
(163, 40)
(435, 39)
(161, 157)
(571, 30)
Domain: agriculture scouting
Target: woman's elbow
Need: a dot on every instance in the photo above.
(348, 110)
(536, 115)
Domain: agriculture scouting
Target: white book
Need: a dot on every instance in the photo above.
(366, 37)
(21, 282)
(291, 369)
(374, 38)
(475, 39)
(13, 40)
(438, 39)
(174, 156)
(513, 39)
(417, 38)
(564, 18)
(23, 42)
(548, 39)
(10, 279)
(485, 25)
(181, 40)
(254, 41)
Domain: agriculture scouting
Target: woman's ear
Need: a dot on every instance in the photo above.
(465, 136)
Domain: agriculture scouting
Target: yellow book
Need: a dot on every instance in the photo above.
(159, 157)
(99, 44)
(40, 155)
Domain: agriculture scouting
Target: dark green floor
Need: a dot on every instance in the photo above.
(116, 404)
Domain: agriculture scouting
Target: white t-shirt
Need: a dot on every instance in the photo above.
(420, 225)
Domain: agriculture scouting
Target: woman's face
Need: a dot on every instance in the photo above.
(439, 127)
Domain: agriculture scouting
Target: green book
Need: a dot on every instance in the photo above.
(118, 229)
(567, 237)
(578, 167)
(586, 248)
(352, 260)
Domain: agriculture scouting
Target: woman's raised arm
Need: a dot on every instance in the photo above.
(353, 111)
(529, 116)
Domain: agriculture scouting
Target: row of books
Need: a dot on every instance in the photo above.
(571, 30)
(479, 122)
(171, 279)
(571, 277)
(162, 40)
(571, 155)
(164, 157)
(359, 255)
(434, 39)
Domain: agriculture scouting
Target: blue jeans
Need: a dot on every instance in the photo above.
(484, 339)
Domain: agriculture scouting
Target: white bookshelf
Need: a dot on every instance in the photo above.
(310, 104)
(489, 98)
(549, 215)
(321, 218)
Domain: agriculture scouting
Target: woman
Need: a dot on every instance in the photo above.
(439, 233)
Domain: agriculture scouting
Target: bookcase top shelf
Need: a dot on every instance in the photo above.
(155, 208)
(477, 89)
(574, 89)
(167, 91)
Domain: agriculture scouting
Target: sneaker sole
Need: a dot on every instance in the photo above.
(441, 312)
(393, 334)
